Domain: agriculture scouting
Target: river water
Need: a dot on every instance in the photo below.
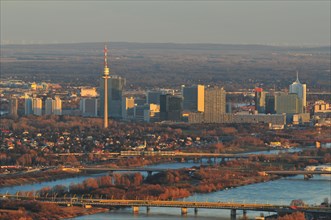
(280, 191)
(68, 181)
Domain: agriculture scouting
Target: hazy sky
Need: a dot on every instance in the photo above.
(244, 22)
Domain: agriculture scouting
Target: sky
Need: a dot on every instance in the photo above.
(298, 23)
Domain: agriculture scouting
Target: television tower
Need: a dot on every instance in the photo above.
(105, 76)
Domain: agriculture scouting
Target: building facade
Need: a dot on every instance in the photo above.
(260, 98)
(49, 106)
(28, 110)
(170, 107)
(153, 97)
(300, 89)
(57, 106)
(115, 92)
(13, 106)
(128, 105)
(288, 103)
(270, 104)
(89, 107)
(37, 106)
(88, 92)
(215, 104)
(193, 98)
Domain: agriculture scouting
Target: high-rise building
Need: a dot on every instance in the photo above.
(139, 112)
(304, 97)
(170, 107)
(49, 106)
(300, 89)
(37, 106)
(57, 106)
(152, 114)
(215, 104)
(193, 98)
(13, 106)
(153, 97)
(115, 92)
(89, 107)
(128, 108)
(288, 103)
(270, 104)
(260, 100)
(28, 110)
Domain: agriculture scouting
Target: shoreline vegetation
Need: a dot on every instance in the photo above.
(31, 210)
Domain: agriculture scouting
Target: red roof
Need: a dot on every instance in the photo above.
(258, 90)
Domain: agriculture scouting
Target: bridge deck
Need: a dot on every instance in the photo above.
(122, 169)
(175, 204)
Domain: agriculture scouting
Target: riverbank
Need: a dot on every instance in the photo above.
(29, 210)
(36, 177)
(62, 173)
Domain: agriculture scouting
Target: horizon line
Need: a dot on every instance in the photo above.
(174, 43)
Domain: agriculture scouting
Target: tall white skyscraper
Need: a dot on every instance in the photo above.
(57, 106)
(299, 89)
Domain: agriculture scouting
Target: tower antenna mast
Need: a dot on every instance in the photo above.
(105, 77)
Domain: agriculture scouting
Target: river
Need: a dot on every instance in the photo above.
(280, 191)
(68, 181)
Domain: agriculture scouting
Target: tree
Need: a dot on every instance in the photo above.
(218, 147)
(90, 184)
(104, 181)
(293, 216)
(137, 179)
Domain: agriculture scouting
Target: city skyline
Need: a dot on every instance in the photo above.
(283, 23)
(194, 108)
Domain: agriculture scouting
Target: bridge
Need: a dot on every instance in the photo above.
(183, 205)
(307, 173)
(133, 169)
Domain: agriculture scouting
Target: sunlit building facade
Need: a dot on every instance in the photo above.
(57, 106)
(215, 104)
(193, 98)
(37, 106)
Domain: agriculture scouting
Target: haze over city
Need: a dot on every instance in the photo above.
(240, 22)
